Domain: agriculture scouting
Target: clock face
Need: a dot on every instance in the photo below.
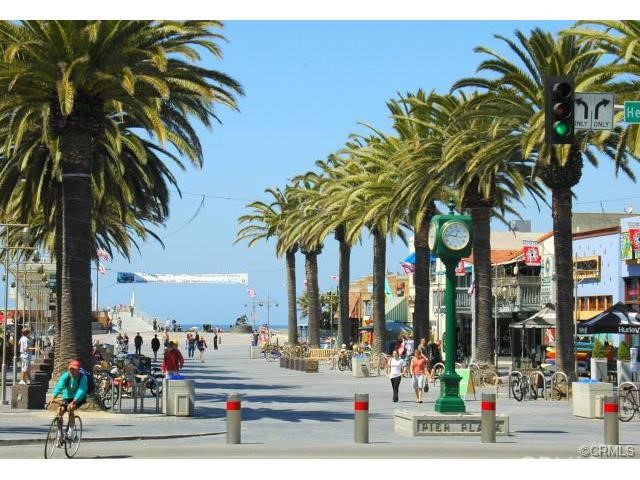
(455, 235)
(432, 235)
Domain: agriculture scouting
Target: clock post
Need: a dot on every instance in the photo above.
(450, 239)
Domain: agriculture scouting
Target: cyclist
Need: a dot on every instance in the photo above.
(73, 385)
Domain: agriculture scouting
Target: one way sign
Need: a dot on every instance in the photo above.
(593, 111)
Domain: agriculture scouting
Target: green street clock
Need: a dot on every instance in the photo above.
(450, 239)
(450, 236)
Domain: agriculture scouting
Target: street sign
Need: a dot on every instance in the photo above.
(632, 112)
(594, 111)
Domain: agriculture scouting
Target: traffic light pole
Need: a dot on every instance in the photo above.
(449, 400)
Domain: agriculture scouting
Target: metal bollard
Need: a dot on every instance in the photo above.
(113, 396)
(488, 418)
(610, 413)
(361, 417)
(234, 418)
(142, 390)
(120, 394)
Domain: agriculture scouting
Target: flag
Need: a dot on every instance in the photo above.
(531, 255)
(408, 268)
(251, 292)
(103, 254)
(101, 269)
(387, 290)
(472, 288)
(334, 277)
(461, 270)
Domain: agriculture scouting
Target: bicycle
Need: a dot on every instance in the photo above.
(57, 438)
(629, 403)
(344, 361)
(521, 387)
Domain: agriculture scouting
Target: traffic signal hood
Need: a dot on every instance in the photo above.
(559, 116)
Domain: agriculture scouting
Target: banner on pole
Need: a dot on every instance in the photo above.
(532, 255)
(138, 277)
(461, 269)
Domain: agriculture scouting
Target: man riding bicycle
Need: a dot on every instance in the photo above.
(74, 386)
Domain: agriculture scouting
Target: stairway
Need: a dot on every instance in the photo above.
(139, 322)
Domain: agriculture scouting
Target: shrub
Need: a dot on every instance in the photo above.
(624, 354)
(598, 350)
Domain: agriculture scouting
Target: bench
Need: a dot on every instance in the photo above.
(325, 355)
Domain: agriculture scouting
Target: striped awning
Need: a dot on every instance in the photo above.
(398, 312)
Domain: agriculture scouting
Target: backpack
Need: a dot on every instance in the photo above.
(91, 384)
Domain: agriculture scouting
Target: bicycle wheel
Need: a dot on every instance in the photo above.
(559, 389)
(628, 407)
(517, 389)
(71, 446)
(51, 444)
(110, 397)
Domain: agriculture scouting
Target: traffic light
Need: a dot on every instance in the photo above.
(558, 109)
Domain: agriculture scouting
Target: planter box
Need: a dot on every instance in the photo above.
(587, 398)
(31, 396)
(599, 369)
(624, 371)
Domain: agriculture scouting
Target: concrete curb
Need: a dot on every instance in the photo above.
(35, 441)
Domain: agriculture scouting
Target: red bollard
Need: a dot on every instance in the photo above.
(610, 413)
(234, 417)
(488, 418)
(361, 414)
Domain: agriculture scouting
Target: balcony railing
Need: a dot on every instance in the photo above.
(515, 294)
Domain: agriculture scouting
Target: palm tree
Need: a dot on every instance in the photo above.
(515, 98)
(265, 222)
(65, 79)
(305, 192)
(371, 182)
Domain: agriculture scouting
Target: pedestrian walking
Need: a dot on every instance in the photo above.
(165, 338)
(215, 341)
(419, 372)
(202, 345)
(137, 341)
(119, 324)
(220, 335)
(155, 324)
(155, 346)
(191, 345)
(26, 346)
(125, 343)
(172, 361)
(395, 368)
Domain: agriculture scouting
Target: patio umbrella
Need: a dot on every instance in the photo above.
(616, 319)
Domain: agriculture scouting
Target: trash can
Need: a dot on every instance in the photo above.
(360, 366)
(178, 397)
(255, 352)
(587, 398)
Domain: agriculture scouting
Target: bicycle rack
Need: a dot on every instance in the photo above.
(533, 382)
(434, 369)
(566, 381)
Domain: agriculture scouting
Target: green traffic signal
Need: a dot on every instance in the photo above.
(561, 128)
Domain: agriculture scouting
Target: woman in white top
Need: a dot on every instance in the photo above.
(396, 366)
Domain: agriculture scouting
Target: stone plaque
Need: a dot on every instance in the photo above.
(418, 424)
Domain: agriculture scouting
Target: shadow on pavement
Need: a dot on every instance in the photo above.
(242, 386)
(21, 429)
(284, 414)
(222, 397)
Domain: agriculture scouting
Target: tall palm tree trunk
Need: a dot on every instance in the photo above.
(291, 297)
(344, 330)
(481, 218)
(313, 295)
(565, 355)
(421, 278)
(379, 276)
(77, 202)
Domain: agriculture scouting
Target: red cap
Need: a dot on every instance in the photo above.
(74, 364)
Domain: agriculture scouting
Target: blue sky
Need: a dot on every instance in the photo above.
(308, 84)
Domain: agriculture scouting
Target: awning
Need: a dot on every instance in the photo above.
(354, 305)
(398, 312)
(616, 319)
(545, 318)
(412, 258)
